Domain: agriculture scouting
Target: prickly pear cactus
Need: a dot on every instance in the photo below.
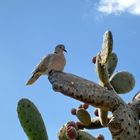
(83, 135)
(122, 81)
(83, 116)
(106, 47)
(31, 120)
(106, 62)
(74, 134)
(118, 83)
(101, 72)
(62, 133)
(112, 63)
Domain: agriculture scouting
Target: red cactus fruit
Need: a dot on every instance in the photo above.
(73, 111)
(100, 137)
(85, 106)
(71, 132)
(94, 59)
(72, 124)
(79, 125)
(96, 113)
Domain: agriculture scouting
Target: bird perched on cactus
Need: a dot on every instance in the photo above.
(54, 61)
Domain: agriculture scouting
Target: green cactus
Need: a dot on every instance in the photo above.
(106, 47)
(62, 133)
(106, 62)
(112, 63)
(101, 71)
(119, 82)
(82, 135)
(83, 116)
(103, 59)
(137, 96)
(122, 82)
(31, 120)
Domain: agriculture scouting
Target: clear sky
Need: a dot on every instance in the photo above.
(30, 29)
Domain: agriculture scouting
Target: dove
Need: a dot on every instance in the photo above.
(54, 61)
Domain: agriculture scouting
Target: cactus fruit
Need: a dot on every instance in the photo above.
(71, 132)
(96, 112)
(83, 116)
(100, 137)
(85, 106)
(80, 134)
(31, 120)
(73, 111)
(68, 131)
(122, 81)
(94, 60)
(112, 63)
(72, 124)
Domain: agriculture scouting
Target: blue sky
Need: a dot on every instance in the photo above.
(31, 29)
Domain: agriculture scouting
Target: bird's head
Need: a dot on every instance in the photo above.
(60, 48)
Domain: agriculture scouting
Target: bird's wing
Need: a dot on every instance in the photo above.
(42, 66)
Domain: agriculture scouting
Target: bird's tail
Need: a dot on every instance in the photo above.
(33, 79)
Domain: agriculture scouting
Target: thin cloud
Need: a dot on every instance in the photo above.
(119, 6)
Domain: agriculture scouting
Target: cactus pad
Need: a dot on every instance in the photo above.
(122, 82)
(112, 63)
(31, 120)
(83, 116)
(101, 71)
(83, 135)
(106, 47)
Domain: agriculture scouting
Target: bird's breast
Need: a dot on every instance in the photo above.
(59, 64)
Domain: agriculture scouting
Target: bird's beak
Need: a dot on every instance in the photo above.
(65, 50)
